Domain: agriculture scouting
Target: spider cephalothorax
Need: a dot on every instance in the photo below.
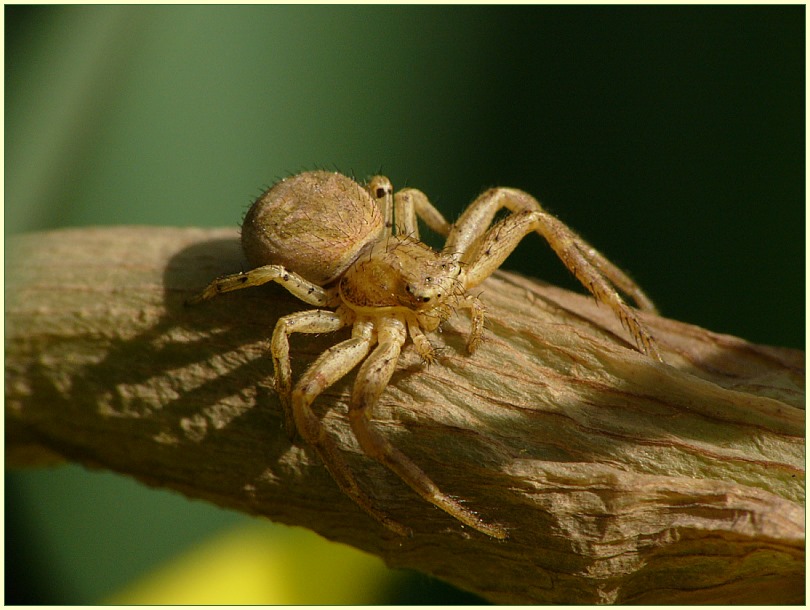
(355, 253)
(403, 275)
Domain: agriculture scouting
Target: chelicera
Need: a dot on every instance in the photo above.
(354, 253)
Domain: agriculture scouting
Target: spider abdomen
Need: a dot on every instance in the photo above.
(315, 224)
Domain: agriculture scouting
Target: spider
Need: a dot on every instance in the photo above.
(354, 252)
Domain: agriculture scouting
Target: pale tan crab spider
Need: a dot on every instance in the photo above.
(355, 253)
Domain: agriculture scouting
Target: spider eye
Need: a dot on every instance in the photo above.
(418, 297)
(380, 192)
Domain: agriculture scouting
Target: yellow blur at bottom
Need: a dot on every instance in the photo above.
(263, 564)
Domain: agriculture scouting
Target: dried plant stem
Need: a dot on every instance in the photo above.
(619, 479)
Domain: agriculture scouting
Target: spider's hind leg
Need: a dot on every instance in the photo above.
(294, 283)
(312, 321)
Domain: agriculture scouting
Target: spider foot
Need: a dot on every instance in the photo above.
(468, 517)
(474, 342)
(200, 297)
(290, 428)
(645, 342)
(425, 350)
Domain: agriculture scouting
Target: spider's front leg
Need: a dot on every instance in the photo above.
(372, 378)
(485, 250)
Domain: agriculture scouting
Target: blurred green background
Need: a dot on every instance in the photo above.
(671, 137)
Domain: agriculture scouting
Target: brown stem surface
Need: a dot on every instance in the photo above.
(619, 479)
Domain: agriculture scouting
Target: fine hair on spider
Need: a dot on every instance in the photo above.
(353, 252)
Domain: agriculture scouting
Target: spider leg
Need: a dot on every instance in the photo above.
(420, 341)
(468, 232)
(618, 277)
(382, 191)
(294, 283)
(411, 203)
(313, 321)
(332, 365)
(477, 316)
(497, 243)
(372, 378)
